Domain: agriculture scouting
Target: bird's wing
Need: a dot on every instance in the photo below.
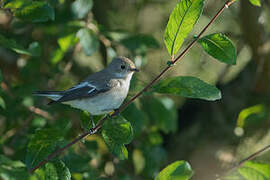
(86, 90)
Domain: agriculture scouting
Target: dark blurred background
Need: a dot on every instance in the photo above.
(211, 136)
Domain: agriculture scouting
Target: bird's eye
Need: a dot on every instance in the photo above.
(123, 66)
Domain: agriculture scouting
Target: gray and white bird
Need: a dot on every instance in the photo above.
(101, 92)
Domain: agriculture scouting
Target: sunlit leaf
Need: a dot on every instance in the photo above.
(220, 47)
(250, 171)
(57, 170)
(80, 8)
(42, 143)
(181, 22)
(88, 41)
(179, 170)
(12, 170)
(138, 161)
(67, 41)
(255, 2)
(33, 50)
(190, 87)
(2, 103)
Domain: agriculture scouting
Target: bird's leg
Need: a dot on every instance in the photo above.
(92, 121)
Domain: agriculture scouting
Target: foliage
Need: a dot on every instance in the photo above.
(53, 44)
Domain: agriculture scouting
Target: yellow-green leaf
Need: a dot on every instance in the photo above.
(181, 22)
(255, 2)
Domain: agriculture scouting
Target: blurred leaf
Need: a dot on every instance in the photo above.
(57, 56)
(250, 171)
(179, 170)
(80, 8)
(43, 142)
(88, 41)
(155, 157)
(57, 170)
(255, 2)
(2, 103)
(220, 47)
(12, 170)
(139, 42)
(138, 161)
(190, 87)
(255, 112)
(33, 50)
(135, 117)
(77, 163)
(34, 11)
(116, 133)
(67, 41)
(181, 22)
(164, 115)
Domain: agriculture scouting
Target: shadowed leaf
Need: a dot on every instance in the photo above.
(190, 87)
(88, 41)
(57, 170)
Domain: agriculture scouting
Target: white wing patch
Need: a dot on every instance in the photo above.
(83, 84)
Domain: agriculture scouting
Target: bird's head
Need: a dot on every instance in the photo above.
(122, 67)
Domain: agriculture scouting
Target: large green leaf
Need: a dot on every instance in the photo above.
(220, 47)
(34, 11)
(190, 87)
(251, 171)
(80, 8)
(116, 133)
(33, 50)
(181, 22)
(88, 41)
(12, 170)
(43, 143)
(255, 2)
(179, 170)
(57, 170)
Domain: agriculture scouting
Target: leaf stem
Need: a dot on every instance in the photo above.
(100, 123)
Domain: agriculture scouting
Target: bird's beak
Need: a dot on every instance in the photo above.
(134, 69)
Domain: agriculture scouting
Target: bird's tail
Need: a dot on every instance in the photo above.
(54, 95)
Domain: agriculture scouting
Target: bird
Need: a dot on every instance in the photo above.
(100, 93)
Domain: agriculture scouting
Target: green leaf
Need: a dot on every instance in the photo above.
(88, 41)
(33, 50)
(251, 171)
(12, 170)
(116, 133)
(220, 47)
(181, 22)
(34, 11)
(67, 41)
(80, 8)
(43, 143)
(119, 130)
(2, 103)
(138, 161)
(162, 112)
(190, 87)
(255, 2)
(57, 170)
(179, 170)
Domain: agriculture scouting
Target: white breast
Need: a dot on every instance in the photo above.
(104, 102)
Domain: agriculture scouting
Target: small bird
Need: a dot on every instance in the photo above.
(101, 92)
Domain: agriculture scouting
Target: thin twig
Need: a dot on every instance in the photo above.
(100, 123)
(249, 158)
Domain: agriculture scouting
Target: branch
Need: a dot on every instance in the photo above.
(172, 62)
(252, 156)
